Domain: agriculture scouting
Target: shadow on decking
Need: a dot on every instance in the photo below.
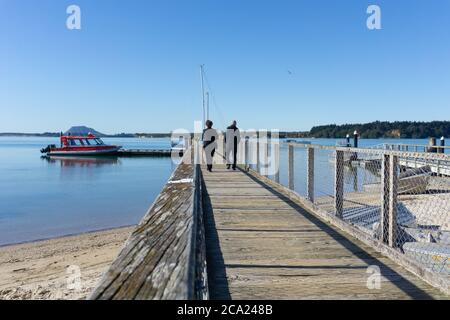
(398, 280)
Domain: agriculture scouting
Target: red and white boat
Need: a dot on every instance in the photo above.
(89, 145)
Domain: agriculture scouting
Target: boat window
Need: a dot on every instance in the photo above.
(99, 141)
(87, 142)
(75, 142)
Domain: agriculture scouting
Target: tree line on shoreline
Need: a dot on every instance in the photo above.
(372, 130)
(377, 129)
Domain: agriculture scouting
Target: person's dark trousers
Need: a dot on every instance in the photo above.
(234, 156)
(209, 162)
(234, 153)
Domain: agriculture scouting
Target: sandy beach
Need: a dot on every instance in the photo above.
(61, 268)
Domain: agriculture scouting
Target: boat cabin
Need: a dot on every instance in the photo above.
(80, 141)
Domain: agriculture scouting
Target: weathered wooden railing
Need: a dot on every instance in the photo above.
(164, 258)
(405, 185)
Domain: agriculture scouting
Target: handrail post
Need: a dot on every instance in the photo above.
(265, 150)
(389, 185)
(393, 184)
(339, 184)
(276, 159)
(384, 218)
(257, 154)
(310, 175)
(246, 160)
(291, 167)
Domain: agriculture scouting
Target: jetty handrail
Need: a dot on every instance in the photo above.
(394, 201)
(165, 256)
(416, 147)
(368, 150)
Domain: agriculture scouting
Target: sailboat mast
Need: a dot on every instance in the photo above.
(207, 105)
(203, 94)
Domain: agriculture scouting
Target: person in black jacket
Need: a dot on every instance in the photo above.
(232, 139)
(209, 143)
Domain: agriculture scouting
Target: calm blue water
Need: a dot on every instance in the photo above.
(42, 199)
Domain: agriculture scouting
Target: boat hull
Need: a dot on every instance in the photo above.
(95, 152)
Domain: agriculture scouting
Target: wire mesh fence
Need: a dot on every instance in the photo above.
(400, 198)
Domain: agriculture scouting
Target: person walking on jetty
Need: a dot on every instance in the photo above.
(232, 139)
(209, 143)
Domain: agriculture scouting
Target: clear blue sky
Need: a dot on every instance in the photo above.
(134, 65)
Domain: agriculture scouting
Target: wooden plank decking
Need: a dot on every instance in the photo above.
(263, 245)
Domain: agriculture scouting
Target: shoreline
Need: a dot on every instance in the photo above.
(66, 267)
(65, 236)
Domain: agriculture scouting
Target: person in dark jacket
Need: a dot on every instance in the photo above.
(232, 139)
(209, 143)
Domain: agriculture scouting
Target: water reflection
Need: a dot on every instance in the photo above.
(83, 168)
(82, 161)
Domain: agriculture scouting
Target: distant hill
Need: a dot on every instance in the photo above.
(83, 131)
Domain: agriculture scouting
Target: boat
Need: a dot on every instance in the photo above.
(89, 145)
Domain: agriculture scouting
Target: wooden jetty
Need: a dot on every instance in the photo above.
(238, 235)
(147, 152)
(267, 245)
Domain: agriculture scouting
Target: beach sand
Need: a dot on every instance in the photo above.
(61, 268)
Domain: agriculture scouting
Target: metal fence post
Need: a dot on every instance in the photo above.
(291, 167)
(266, 158)
(310, 175)
(276, 158)
(393, 184)
(339, 184)
(384, 219)
(246, 162)
(257, 155)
